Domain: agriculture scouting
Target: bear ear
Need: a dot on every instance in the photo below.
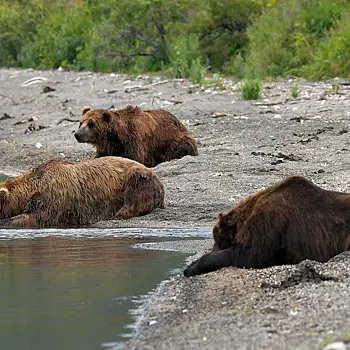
(106, 116)
(226, 220)
(3, 192)
(221, 220)
(85, 109)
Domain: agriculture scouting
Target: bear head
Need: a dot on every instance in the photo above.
(224, 231)
(94, 125)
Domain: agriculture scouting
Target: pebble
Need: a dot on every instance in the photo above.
(336, 346)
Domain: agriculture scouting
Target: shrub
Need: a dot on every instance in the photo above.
(196, 71)
(58, 41)
(185, 59)
(285, 37)
(294, 91)
(251, 89)
(17, 24)
(236, 66)
(333, 58)
(222, 30)
(183, 38)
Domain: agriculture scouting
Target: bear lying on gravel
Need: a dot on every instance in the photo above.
(61, 194)
(286, 223)
(150, 137)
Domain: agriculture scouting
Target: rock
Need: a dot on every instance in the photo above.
(48, 89)
(278, 161)
(336, 346)
(341, 132)
(5, 116)
(219, 115)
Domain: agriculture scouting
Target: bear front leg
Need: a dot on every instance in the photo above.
(20, 221)
(237, 256)
(209, 262)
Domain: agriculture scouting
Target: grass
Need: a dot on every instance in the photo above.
(251, 89)
(294, 91)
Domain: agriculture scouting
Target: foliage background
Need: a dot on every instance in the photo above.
(180, 38)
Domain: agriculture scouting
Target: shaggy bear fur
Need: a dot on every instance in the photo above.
(286, 223)
(150, 137)
(60, 193)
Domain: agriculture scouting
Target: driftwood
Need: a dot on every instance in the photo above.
(113, 91)
(136, 88)
(35, 80)
(146, 87)
(159, 82)
(68, 120)
(175, 102)
(269, 103)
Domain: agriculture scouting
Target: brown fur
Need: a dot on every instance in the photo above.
(286, 223)
(150, 137)
(60, 193)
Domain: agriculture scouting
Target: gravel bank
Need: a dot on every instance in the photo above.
(243, 145)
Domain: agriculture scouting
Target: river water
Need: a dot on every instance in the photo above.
(76, 288)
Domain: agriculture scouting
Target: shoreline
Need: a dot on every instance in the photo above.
(243, 146)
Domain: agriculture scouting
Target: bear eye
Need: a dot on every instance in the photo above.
(91, 124)
(106, 116)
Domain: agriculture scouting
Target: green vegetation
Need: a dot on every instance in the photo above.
(248, 39)
(294, 91)
(251, 89)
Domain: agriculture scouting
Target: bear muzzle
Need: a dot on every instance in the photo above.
(81, 135)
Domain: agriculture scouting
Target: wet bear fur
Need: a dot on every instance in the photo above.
(65, 194)
(150, 137)
(285, 223)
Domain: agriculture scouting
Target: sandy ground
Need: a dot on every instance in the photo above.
(243, 145)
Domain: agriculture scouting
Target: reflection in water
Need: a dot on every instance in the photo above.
(74, 293)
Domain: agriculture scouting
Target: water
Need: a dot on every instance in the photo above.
(74, 289)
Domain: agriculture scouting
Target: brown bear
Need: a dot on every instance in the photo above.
(150, 137)
(61, 193)
(285, 223)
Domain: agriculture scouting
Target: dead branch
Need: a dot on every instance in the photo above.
(113, 91)
(175, 102)
(35, 80)
(159, 83)
(268, 103)
(136, 88)
(68, 120)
